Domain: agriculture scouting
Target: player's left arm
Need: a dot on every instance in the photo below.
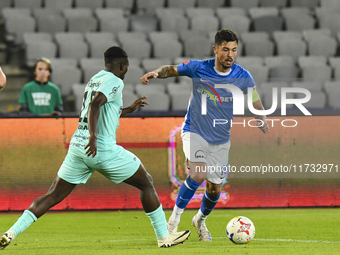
(136, 104)
(2, 79)
(161, 72)
(92, 118)
(261, 119)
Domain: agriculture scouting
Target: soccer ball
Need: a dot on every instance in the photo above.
(240, 230)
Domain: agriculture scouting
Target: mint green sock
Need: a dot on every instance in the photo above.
(26, 219)
(158, 222)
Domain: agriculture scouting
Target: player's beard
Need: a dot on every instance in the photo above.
(225, 66)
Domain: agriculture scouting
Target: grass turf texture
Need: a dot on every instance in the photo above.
(278, 231)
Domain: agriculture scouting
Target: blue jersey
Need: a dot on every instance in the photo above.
(219, 101)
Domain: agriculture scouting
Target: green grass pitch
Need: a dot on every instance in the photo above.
(278, 231)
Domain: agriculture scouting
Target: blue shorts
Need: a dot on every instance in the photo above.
(115, 163)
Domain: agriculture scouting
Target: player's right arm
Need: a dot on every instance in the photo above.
(2, 79)
(161, 72)
(93, 115)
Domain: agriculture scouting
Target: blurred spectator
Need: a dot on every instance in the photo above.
(2, 79)
(40, 96)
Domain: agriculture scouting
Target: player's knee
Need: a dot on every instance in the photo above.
(149, 178)
(144, 177)
(213, 189)
(198, 176)
(214, 192)
(145, 183)
(197, 172)
(198, 179)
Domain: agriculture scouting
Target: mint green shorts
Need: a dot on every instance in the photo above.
(115, 163)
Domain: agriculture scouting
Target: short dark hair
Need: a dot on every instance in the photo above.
(227, 35)
(115, 54)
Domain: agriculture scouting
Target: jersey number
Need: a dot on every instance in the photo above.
(93, 93)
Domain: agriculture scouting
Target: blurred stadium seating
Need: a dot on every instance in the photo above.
(287, 41)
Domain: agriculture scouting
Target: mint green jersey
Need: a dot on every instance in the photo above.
(111, 160)
(111, 86)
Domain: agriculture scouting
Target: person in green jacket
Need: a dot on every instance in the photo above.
(40, 96)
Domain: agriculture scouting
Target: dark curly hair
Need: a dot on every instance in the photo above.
(225, 35)
(115, 54)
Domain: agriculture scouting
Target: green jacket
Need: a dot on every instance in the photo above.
(40, 98)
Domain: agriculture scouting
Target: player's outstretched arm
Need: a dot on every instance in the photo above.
(93, 115)
(136, 104)
(161, 72)
(261, 119)
(2, 79)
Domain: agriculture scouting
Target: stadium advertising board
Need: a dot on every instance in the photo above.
(289, 167)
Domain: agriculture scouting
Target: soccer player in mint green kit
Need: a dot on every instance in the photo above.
(93, 147)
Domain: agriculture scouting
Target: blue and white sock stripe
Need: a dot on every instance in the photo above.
(206, 194)
(186, 184)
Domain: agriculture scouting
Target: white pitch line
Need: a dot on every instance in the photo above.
(255, 239)
(287, 240)
(128, 240)
(294, 240)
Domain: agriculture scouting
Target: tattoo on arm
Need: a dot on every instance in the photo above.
(167, 71)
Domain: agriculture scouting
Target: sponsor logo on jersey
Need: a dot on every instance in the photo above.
(199, 154)
(209, 93)
(92, 84)
(213, 97)
(114, 90)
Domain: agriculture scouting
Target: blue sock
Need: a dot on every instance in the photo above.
(158, 222)
(186, 192)
(208, 203)
(26, 219)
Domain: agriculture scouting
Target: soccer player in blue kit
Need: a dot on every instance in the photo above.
(204, 143)
(93, 147)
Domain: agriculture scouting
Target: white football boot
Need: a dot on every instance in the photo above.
(6, 239)
(202, 231)
(173, 239)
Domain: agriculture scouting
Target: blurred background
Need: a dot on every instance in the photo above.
(283, 43)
